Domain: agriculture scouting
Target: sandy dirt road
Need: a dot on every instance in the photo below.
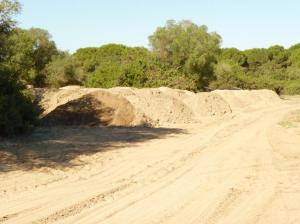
(242, 169)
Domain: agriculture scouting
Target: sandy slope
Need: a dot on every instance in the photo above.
(243, 168)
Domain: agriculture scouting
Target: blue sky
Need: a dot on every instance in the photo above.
(243, 24)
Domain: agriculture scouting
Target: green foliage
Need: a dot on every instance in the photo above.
(292, 88)
(31, 50)
(114, 54)
(172, 78)
(151, 73)
(87, 58)
(275, 68)
(135, 74)
(118, 65)
(229, 75)
(188, 47)
(256, 57)
(293, 73)
(233, 55)
(183, 55)
(295, 55)
(105, 76)
(64, 70)
(18, 113)
(279, 56)
(112, 64)
(8, 9)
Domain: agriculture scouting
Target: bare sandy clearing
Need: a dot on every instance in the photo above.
(239, 168)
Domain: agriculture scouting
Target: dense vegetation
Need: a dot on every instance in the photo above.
(274, 68)
(181, 55)
(17, 111)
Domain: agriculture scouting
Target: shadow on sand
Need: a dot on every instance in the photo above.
(57, 147)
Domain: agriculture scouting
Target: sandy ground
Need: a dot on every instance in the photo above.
(241, 168)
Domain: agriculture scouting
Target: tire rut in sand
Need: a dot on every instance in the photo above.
(78, 207)
(155, 176)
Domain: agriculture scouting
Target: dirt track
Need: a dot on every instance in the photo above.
(244, 168)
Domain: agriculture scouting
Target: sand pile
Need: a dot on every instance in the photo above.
(202, 104)
(209, 104)
(53, 98)
(92, 107)
(241, 99)
(124, 106)
(159, 107)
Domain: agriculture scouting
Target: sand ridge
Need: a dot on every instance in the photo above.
(125, 106)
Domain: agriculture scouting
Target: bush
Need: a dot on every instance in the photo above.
(64, 70)
(229, 75)
(134, 74)
(292, 88)
(105, 76)
(172, 78)
(18, 113)
(30, 51)
(113, 64)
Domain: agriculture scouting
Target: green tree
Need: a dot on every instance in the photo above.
(114, 64)
(256, 57)
(87, 57)
(187, 47)
(31, 51)
(233, 55)
(8, 9)
(229, 75)
(64, 70)
(17, 111)
(279, 57)
(295, 55)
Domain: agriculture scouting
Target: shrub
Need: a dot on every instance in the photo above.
(18, 113)
(292, 88)
(64, 70)
(105, 76)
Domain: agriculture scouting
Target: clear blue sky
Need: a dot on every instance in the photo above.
(242, 24)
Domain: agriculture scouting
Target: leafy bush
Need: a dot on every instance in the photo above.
(64, 70)
(134, 74)
(18, 113)
(229, 75)
(172, 78)
(112, 64)
(292, 88)
(105, 76)
(30, 51)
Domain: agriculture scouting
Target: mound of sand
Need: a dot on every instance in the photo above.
(241, 99)
(209, 104)
(202, 104)
(125, 106)
(159, 107)
(52, 98)
(95, 108)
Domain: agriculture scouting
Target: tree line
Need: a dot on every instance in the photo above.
(182, 55)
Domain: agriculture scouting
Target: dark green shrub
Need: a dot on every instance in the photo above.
(18, 113)
(64, 70)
